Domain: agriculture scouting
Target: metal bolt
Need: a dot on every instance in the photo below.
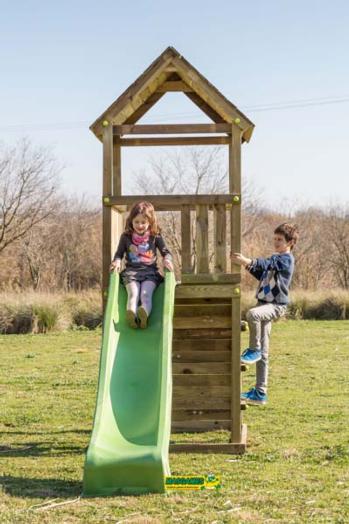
(237, 121)
(105, 123)
(106, 200)
(236, 198)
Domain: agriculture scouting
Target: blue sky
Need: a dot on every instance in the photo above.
(63, 63)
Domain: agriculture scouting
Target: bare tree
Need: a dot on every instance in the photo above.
(337, 229)
(194, 171)
(64, 250)
(28, 183)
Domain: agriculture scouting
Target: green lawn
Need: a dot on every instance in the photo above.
(296, 468)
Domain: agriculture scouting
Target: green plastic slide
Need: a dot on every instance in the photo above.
(128, 451)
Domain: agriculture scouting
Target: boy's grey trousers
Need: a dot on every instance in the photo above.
(259, 320)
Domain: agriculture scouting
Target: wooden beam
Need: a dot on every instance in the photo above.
(175, 141)
(205, 108)
(174, 85)
(156, 129)
(212, 278)
(144, 108)
(212, 97)
(168, 202)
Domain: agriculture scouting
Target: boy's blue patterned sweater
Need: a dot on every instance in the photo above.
(274, 275)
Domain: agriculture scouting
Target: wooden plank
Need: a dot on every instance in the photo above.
(174, 85)
(194, 310)
(236, 448)
(204, 300)
(202, 367)
(201, 356)
(200, 403)
(186, 250)
(201, 239)
(175, 141)
(169, 202)
(220, 239)
(157, 129)
(202, 322)
(207, 414)
(202, 291)
(211, 278)
(207, 345)
(186, 334)
(203, 380)
(198, 426)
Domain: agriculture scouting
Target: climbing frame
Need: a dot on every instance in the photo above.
(206, 338)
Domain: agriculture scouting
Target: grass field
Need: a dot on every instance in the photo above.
(296, 468)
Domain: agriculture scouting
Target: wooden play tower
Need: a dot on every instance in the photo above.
(206, 337)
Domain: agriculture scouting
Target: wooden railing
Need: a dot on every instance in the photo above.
(205, 222)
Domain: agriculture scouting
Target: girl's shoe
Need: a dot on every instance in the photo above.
(255, 397)
(142, 316)
(131, 319)
(251, 356)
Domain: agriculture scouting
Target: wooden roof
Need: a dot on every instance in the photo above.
(171, 69)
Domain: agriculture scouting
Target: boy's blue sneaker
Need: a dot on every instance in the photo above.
(251, 356)
(254, 396)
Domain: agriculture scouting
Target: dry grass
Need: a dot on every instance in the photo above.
(31, 312)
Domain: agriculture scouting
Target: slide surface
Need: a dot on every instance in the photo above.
(128, 451)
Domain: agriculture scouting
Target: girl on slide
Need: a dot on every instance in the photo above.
(141, 276)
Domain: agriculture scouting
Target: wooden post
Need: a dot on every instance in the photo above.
(107, 210)
(220, 241)
(202, 239)
(235, 224)
(186, 239)
(116, 189)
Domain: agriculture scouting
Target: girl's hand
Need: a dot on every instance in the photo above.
(168, 264)
(115, 265)
(238, 258)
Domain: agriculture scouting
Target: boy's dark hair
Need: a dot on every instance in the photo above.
(289, 231)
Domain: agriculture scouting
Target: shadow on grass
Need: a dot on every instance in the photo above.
(80, 431)
(35, 449)
(40, 488)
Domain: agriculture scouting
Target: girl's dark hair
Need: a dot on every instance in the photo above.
(289, 231)
(147, 210)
